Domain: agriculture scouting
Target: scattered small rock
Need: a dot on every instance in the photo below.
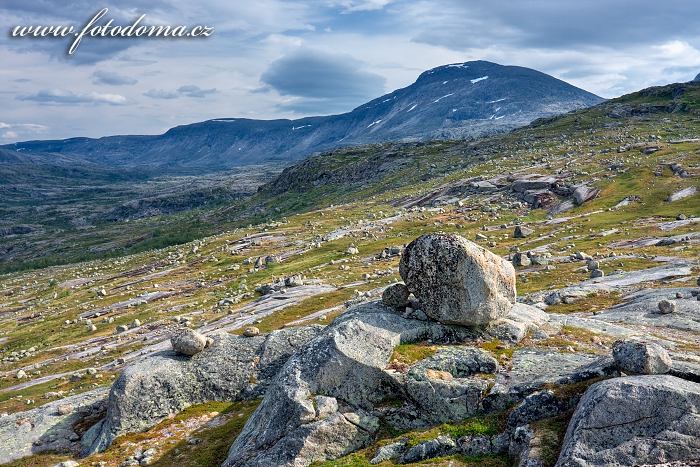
(521, 231)
(638, 357)
(666, 307)
(595, 273)
(251, 331)
(188, 342)
(396, 296)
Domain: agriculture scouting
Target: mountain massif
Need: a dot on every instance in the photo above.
(447, 102)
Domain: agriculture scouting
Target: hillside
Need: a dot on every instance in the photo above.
(451, 101)
(334, 177)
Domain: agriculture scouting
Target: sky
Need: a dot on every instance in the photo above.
(292, 58)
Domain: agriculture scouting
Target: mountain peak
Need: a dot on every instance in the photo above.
(462, 69)
(452, 101)
(697, 78)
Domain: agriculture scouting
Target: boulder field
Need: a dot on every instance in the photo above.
(327, 391)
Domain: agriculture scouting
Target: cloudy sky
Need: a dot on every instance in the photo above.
(292, 58)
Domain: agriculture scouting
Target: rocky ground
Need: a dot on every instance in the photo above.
(592, 217)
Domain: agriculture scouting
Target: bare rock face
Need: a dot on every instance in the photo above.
(347, 365)
(457, 281)
(188, 342)
(643, 358)
(637, 420)
(448, 385)
(231, 368)
(51, 427)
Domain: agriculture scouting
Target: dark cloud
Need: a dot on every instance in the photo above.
(552, 24)
(161, 94)
(59, 96)
(112, 79)
(191, 90)
(322, 81)
(188, 90)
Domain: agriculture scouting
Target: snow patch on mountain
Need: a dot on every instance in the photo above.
(441, 98)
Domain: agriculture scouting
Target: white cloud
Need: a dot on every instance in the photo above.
(62, 96)
(17, 131)
(350, 6)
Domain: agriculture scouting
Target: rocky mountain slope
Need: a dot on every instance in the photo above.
(452, 101)
(546, 315)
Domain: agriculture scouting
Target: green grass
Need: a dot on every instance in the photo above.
(408, 354)
(549, 435)
(591, 303)
(216, 441)
(481, 425)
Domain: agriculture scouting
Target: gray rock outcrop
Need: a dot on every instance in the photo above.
(348, 362)
(50, 427)
(634, 420)
(232, 368)
(457, 281)
(448, 385)
(440, 446)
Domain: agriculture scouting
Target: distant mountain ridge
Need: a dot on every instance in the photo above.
(450, 101)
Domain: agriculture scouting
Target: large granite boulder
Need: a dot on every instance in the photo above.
(634, 420)
(231, 368)
(457, 281)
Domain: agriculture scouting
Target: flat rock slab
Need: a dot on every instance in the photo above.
(594, 325)
(652, 241)
(684, 193)
(618, 281)
(641, 308)
(670, 225)
(45, 429)
(533, 368)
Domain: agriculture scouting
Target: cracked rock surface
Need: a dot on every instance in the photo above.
(634, 420)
